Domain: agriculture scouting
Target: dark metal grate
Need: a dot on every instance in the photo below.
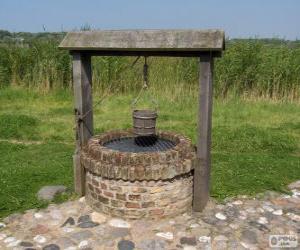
(140, 144)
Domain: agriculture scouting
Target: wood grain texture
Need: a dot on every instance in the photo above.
(82, 80)
(203, 160)
(145, 40)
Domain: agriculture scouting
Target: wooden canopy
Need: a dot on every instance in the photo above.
(146, 42)
(205, 44)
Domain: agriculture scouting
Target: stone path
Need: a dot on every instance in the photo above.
(241, 223)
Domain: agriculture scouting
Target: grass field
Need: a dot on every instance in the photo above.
(256, 144)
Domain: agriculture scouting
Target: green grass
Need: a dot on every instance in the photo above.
(256, 143)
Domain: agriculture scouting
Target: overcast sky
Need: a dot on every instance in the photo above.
(239, 18)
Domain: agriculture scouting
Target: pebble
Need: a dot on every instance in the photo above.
(119, 223)
(69, 222)
(13, 244)
(241, 217)
(82, 199)
(84, 218)
(126, 245)
(2, 225)
(70, 248)
(166, 235)
(205, 239)
(98, 218)
(293, 216)
(88, 224)
(40, 239)
(262, 220)
(251, 210)
(26, 244)
(249, 236)
(191, 241)
(296, 193)
(65, 242)
(189, 248)
(38, 215)
(220, 216)
(119, 232)
(294, 185)
(221, 238)
(68, 229)
(51, 247)
(260, 210)
(9, 239)
(248, 246)
(234, 226)
(151, 244)
(56, 214)
(278, 212)
(194, 225)
(83, 244)
(237, 202)
(2, 236)
(81, 235)
(268, 208)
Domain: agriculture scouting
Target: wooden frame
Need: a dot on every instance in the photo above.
(204, 44)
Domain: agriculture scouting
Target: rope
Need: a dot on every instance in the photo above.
(80, 118)
(145, 87)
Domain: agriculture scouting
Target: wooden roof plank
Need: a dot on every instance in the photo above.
(145, 40)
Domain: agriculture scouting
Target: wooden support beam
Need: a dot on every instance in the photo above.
(166, 53)
(203, 160)
(82, 80)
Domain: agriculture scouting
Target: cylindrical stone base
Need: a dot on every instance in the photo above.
(140, 199)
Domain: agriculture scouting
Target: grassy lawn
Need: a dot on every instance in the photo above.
(256, 144)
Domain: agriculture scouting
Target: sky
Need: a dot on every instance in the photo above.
(239, 18)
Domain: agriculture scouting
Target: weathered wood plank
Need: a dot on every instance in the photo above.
(82, 80)
(145, 40)
(148, 53)
(203, 161)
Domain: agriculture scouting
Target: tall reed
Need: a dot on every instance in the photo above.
(249, 68)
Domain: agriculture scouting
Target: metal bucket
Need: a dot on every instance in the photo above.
(144, 122)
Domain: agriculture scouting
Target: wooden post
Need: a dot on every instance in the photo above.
(203, 160)
(82, 80)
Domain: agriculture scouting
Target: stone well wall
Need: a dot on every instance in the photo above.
(140, 199)
(139, 185)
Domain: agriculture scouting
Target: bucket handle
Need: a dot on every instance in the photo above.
(144, 88)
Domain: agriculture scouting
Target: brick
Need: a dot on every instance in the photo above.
(117, 203)
(94, 195)
(103, 185)
(134, 197)
(98, 190)
(148, 204)
(91, 187)
(117, 212)
(132, 205)
(116, 188)
(121, 197)
(138, 190)
(157, 211)
(103, 199)
(135, 214)
(108, 194)
(156, 190)
(95, 183)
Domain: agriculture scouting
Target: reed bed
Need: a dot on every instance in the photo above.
(250, 68)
